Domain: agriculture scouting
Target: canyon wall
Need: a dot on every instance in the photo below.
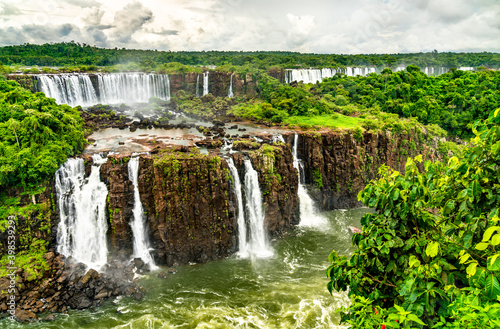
(337, 165)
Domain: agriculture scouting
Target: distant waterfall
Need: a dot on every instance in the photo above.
(257, 243)
(113, 88)
(230, 93)
(242, 228)
(138, 224)
(205, 83)
(82, 210)
(132, 87)
(308, 215)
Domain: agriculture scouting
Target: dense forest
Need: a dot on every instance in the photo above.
(72, 53)
(453, 100)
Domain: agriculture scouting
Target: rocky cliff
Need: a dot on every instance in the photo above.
(338, 165)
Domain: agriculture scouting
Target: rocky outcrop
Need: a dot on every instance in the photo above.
(62, 285)
(339, 165)
(187, 199)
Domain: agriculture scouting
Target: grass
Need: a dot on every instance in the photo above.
(326, 120)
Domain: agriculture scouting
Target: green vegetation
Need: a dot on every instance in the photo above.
(325, 120)
(453, 100)
(429, 257)
(36, 136)
(86, 57)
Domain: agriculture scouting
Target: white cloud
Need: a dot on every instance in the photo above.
(328, 26)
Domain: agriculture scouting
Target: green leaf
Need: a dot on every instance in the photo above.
(482, 245)
(413, 261)
(492, 287)
(471, 269)
(415, 318)
(495, 240)
(476, 189)
(432, 249)
(489, 231)
(494, 263)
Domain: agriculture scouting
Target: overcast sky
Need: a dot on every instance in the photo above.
(321, 26)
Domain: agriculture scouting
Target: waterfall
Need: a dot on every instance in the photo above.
(113, 88)
(242, 229)
(257, 243)
(138, 224)
(308, 215)
(230, 93)
(82, 210)
(205, 83)
(197, 92)
(71, 89)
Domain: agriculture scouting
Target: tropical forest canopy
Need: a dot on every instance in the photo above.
(36, 136)
(72, 53)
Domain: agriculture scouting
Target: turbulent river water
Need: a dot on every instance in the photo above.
(285, 291)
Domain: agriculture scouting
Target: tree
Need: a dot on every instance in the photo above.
(430, 254)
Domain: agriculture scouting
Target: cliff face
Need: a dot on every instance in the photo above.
(187, 200)
(339, 165)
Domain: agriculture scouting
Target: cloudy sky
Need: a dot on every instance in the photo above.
(321, 26)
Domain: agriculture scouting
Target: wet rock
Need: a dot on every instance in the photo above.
(26, 316)
(162, 275)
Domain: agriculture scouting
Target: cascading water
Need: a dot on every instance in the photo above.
(308, 215)
(197, 91)
(230, 93)
(138, 224)
(242, 228)
(82, 210)
(205, 83)
(257, 244)
(71, 89)
(113, 88)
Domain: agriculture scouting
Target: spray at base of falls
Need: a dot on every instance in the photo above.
(82, 205)
(138, 224)
(308, 214)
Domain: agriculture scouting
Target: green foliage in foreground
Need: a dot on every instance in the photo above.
(430, 256)
(36, 136)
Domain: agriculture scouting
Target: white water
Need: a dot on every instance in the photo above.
(113, 88)
(71, 89)
(197, 92)
(138, 224)
(205, 83)
(82, 209)
(243, 251)
(258, 244)
(230, 93)
(309, 217)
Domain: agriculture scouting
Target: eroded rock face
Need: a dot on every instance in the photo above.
(187, 200)
(66, 284)
(339, 165)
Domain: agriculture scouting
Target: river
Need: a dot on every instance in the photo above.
(285, 291)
